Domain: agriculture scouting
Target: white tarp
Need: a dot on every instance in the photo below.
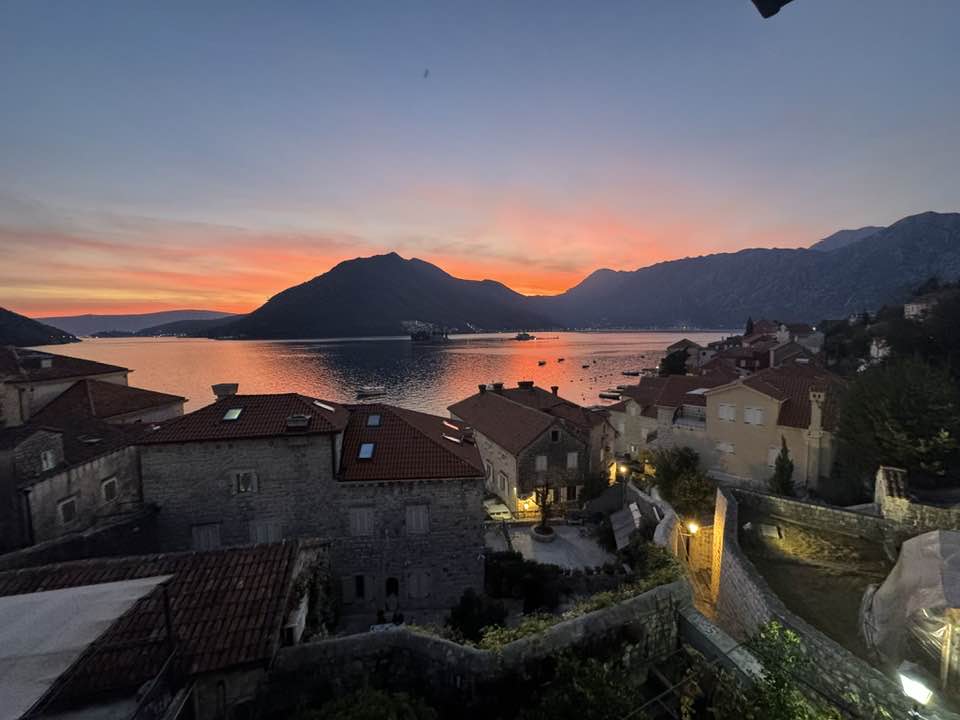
(911, 603)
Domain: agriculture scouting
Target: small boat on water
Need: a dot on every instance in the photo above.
(585, 366)
(560, 359)
(369, 391)
(541, 362)
(632, 373)
(523, 336)
(610, 395)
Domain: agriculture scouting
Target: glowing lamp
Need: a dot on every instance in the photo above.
(623, 469)
(693, 526)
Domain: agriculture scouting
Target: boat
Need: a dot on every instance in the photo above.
(523, 336)
(430, 337)
(610, 395)
(369, 391)
(560, 359)
(541, 362)
(585, 366)
(632, 373)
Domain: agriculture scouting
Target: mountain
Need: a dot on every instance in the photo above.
(845, 237)
(719, 291)
(22, 331)
(89, 324)
(377, 295)
(190, 328)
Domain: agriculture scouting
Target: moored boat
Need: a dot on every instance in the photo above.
(523, 336)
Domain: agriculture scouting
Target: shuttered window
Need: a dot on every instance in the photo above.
(540, 463)
(418, 519)
(361, 521)
(206, 537)
(418, 584)
(572, 460)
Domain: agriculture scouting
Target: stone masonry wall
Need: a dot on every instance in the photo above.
(472, 681)
(447, 559)
(744, 601)
(557, 473)
(908, 516)
(192, 484)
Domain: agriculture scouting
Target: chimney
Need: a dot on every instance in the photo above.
(225, 390)
(817, 399)
(525, 384)
(498, 387)
(555, 389)
(482, 387)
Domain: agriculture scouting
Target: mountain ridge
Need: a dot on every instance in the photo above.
(90, 323)
(21, 331)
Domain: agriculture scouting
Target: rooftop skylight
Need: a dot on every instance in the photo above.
(366, 451)
(232, 413)
(452, 439)
(373, 420)
(450, 425)
(324, 406)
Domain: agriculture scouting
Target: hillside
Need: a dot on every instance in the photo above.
(89, 324)
(376, 295)
(842, 238)
(22, 331)
(717, 291)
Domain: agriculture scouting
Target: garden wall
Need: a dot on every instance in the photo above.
(475, 681)
(744, 601)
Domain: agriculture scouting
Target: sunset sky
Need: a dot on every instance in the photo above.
(161, 155)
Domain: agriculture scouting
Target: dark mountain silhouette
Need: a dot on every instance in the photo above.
(89, 324)
(845, 237)
(377, 295)
(188, 327)
(22, 331)
(719, 291)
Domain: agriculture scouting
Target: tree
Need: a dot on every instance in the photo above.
(905, 414)
(670, 464)
(693, 494)
(781, 482)
(545, 503)
(473, 613)
(749, 329)
(675, 363)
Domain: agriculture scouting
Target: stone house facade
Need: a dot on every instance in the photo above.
(397, 493)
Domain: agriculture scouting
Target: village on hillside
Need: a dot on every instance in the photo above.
(763, 522)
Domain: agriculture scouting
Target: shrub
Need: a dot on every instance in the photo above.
(781, 482)
(670, 464)
(508, 574)
(474, 613)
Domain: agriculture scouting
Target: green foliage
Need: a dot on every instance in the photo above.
(604, 535)
(905, 414)
(781, 482)
(508, 574)
(495, 637)
(675, 363)
(669, 464)
(594, 486)
(372, 704)
(748, 330)
(935, 340)
(590, 689)
(473, 614)
(645, 558)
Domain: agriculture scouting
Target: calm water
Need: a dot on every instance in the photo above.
(427, 378)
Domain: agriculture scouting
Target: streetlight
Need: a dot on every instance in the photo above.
(623, 484)
(693, 526)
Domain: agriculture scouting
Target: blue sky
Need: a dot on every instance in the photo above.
(549, 138)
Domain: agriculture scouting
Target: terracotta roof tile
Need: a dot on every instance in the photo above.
(23, 365)
(792, 386)
(227, 609)
(260, 416)
(104, 400)
(407, 445)
(512, 425)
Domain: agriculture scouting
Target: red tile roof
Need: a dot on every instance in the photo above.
(261, 416)
(408, 445)
(544, 400)
(104, 400)
(22, 365)
(227, 609)
(511, 425)
(672, 390)
(792, 385)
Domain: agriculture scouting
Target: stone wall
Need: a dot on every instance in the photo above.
(557, 475)
(473, 682)
(911, 517)
(744, 601)
(500, 468)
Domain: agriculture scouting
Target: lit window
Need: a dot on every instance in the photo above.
(245, 481)
(418, 519)
(373, 421)
(361, 521)
(572, 459)
(48, 460)
(232, 413)
(366, 451)
(541, 463)
(108, 488)
(67, 509)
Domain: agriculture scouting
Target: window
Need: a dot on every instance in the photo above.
(418, 519)
(245, 481)
(67, 509)
(265, 531)
(571, 493)
(488, 469)
(772, 453)
(232, 414)
(572, 460)
(753, 416)
(373, 421)
(108, 489)
(359, 586)
(554, 436)
(418, 584)
(48, 460)
(206, 536)
(727, 411)
(540, 464)
(361, 521)
(366, 451)
(726, 448)
(502, 479)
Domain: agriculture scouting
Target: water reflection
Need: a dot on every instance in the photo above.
(424, 377)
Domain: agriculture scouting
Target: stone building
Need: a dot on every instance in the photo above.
(531, 440)
(398, 493)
